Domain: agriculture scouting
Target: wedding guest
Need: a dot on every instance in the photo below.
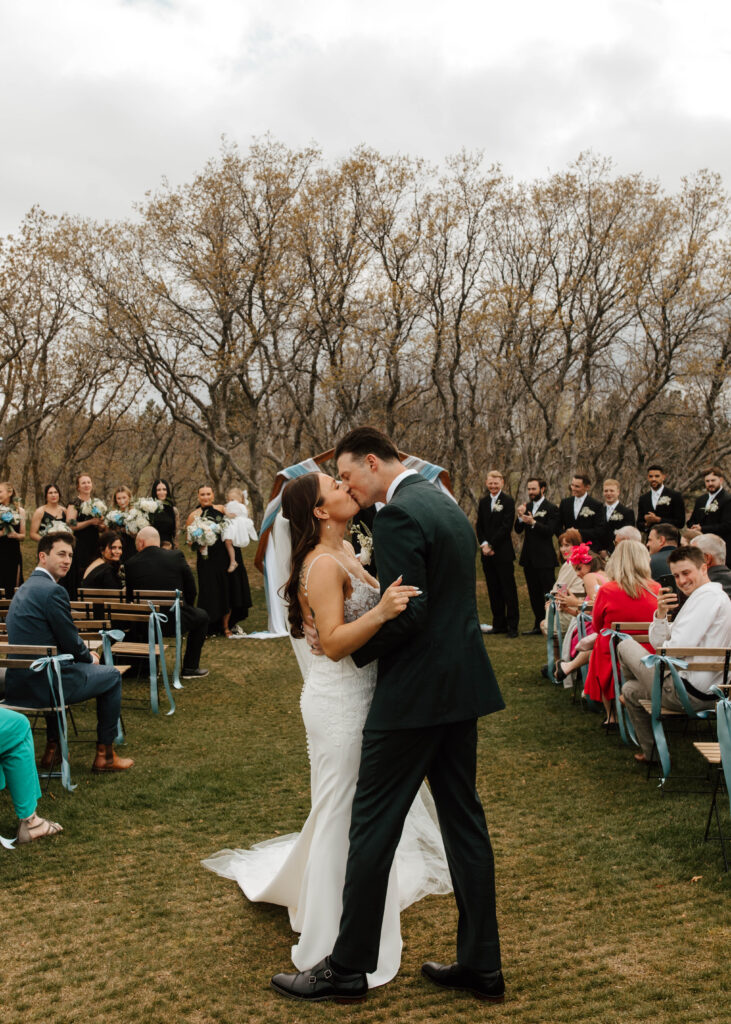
(627, 533)
(714, 553)
(538, 522)
(661, 541)
(105, 571)
(495, 517)
(165, 520)
(629, 595)
(18, 773)
(39, 614)
(582, 512)
(704, 620)
(155, 568)
(238, 528)
(84, 525)
(50, 513)
(568, 581)
(224, 595)
(660, 504)
(712, 511)
(12, 532)
(122, 501)
(590, 569)
(616, 515)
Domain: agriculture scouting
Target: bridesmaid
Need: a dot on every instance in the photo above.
(11, 558)
(85, 527)
(122, 500)
(224, 595)
(51, 511)
(166, 521)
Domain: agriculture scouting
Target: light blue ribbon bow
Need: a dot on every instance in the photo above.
(626, 729)
(553, 622)
(657, 661)
(154, 632)
(723, 726)
(107, 636)
(178, 641)
(52, 664)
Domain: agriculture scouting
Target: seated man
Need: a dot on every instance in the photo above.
(704, 620)
(714, 552)
(40, 615)
(156, 568)
(662, 540)
(626, 533)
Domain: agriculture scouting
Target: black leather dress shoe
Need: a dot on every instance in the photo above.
(322, 982)
(193, 673)
(512, 634)
(483, 984)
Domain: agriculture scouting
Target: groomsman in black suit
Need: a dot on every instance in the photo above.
(495, 517)
(538, 521)
(616, 515)
(712, 511)
(582, 512)
(660, 504)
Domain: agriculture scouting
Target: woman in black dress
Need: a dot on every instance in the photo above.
(85, 526)
(224, 595)
(50, 513)
(107, 570)
(165, 520)
(122, 502)
(11, 534)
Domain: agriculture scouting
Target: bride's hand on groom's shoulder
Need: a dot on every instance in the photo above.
(395, 599)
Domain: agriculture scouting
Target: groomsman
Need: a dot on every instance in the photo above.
(495, 516)
(712, 511)
(616, 515)
(582, 512)
(660, 504)
(538, 521)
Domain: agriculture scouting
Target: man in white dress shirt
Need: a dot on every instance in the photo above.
(704, 620)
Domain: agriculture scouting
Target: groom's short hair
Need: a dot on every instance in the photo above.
(367, 441)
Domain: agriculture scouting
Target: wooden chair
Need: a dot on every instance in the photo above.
(166, 599)
(131, 614)
(96, 594)
(639, 631)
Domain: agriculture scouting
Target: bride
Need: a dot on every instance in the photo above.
(305, 872)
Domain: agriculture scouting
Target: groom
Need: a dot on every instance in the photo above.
(434, 681)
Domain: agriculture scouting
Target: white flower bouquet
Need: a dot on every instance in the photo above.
(94, 507)
(115, 518)
(201, 534)
(135, 519)
(365, 542)
(148, 505)
(57, 526)
(9, 518)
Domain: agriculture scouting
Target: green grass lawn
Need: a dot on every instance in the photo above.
(610, 905)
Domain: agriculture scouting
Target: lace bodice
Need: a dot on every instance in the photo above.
(363, 597)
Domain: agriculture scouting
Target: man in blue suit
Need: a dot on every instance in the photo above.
(40, 614)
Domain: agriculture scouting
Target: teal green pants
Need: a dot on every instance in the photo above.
(17, 762)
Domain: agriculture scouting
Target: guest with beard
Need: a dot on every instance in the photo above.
(662, 540)
(616, 515)
(495, 517)
(538, 522)
(582, 512)
(712, 511)
(166, 520)
(11, 534)
(660, 504)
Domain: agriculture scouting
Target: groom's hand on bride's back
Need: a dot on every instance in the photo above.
(312, 637)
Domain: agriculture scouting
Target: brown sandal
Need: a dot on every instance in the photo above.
(40, 829)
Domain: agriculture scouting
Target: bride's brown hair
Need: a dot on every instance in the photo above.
(300, 499)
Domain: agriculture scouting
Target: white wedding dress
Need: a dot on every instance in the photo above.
(305, 871)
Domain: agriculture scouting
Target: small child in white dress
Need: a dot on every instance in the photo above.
(238, 527)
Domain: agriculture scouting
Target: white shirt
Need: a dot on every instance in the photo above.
(396, 481)
(703, 621)
(712, 497)
(610, 508)
(655, 495)
(494, 499)
(578, 502)
(537, 504)
(39, 568)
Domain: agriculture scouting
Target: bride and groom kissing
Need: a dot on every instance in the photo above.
(393, 698)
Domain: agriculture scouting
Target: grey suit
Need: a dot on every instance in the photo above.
(40, 614)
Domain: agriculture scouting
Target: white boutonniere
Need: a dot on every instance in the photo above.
(586, 512)
(664, 500)
(541, 512)
(615, 517)
(497, 507)
(713, 507)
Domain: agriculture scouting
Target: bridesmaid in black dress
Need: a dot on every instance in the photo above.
(122, 501)
(11, 534)
(165, 521)
(85, 527)
(50, 512)
(224, 595)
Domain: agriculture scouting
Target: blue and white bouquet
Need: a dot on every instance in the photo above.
(116, 519)
(148, 505)
(57, 526)
(201, 534)
(9, 518)
(94, 507)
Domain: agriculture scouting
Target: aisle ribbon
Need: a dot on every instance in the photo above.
(154, 627)
(626, 729)
(178, 641)
(583, 619)
(52, 664)
(657, 661)
(107, 636)
(553, 620)
(723, 726)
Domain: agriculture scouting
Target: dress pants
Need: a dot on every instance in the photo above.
(638, 686)
(393, 765)
(539, 582)
(502, 592)
(194, 622)
(17, 762)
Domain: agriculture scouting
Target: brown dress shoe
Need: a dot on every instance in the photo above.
(51, 756)
(108, 760)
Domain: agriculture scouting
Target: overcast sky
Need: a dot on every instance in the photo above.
(102, 98)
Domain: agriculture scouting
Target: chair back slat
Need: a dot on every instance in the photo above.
(154, 595)
(89, 593)
(23, 655)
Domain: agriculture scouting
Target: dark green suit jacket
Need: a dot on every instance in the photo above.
(432, 665)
